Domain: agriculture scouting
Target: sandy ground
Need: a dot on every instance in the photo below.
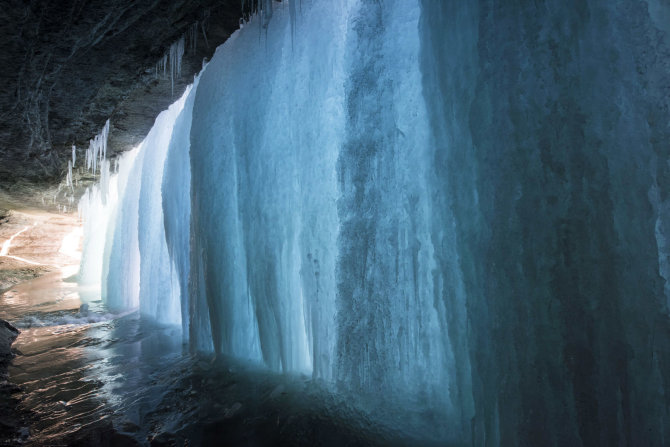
(37, 246)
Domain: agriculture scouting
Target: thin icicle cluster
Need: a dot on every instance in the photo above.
(68, 179)
(263, 8)
(161, 66)
(192, 37)
(69, 183)
(172, 58)
(176, 55)
(97, 149)
(70, 165)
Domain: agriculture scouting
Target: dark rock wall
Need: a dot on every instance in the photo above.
(67, 66)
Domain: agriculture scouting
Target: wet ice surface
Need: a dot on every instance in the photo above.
(92, 377)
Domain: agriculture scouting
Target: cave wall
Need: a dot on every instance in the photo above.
(68, 66)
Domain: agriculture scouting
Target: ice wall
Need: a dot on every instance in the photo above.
(176, 203)
(95, 208)
(125, 245)
(460, 206)
(550, 122)
(318, 243)
(121, 282)
(159, 282)
(264, 146)
(284, 211)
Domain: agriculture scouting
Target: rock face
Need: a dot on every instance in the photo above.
(8, 334)
(11, 418)
(66, 67)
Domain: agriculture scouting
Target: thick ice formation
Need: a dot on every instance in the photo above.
(159, 286)
(275, 210)
(125, 249)
(277, 296)
(176, 202)
(389, 196)
(95, 207)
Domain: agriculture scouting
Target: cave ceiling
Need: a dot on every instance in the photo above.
(68, 66)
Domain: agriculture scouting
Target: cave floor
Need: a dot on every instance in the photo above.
(86, 376)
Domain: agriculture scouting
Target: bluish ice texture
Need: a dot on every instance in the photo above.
(121, 284)
(176, 197)
(459, 205)
(264, 201)
(551, 120)
(126, 229)
(159, 282)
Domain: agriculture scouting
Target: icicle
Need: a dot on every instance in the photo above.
(104, 180)
(97, 149)
(161, 67)
(192, 37)
(68, 179)
(176, 55)
(202, 26)
(74, 155)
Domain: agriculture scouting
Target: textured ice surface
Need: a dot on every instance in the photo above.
(159, 285)
(121, 280)
(96, 208)
(176, 202)
(281, 211)
(264, 201)
(125, 248)
(460, 206)
(551, 121)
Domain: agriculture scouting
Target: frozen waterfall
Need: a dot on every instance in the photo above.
(278, 224)
(389, 197)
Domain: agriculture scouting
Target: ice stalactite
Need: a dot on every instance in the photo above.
(97, 149)
(68, 177)
(176, 55)
(171, 62)
(192, 37)
(161, 66)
